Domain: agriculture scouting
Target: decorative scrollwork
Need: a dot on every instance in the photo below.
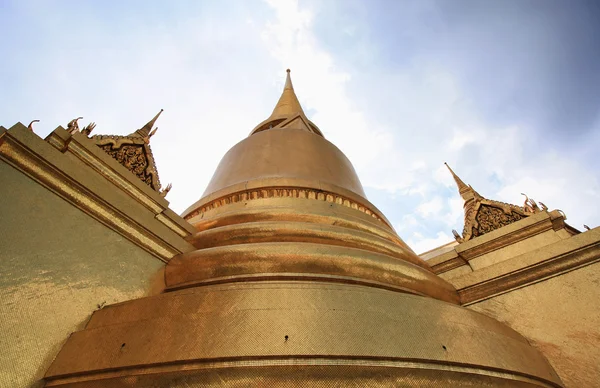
(134, 158)
(491, 218)
(284, 192)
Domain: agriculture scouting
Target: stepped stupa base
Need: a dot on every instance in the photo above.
(296, 334)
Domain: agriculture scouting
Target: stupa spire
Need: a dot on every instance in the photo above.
(288, 103)
(288, 112)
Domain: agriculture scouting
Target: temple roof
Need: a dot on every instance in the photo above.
(134, 153)
(484, 215)
(288, 113)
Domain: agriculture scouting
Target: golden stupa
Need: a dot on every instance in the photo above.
(296, 280)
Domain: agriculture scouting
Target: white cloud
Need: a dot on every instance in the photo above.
(407, 223)
(431, 207)
(461, 138)
(321, 85)
(421, 244)
(217, 77)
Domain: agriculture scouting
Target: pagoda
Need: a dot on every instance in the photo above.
(293, 278)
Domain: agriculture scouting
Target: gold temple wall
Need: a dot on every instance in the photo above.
(559, 316)
(58, 265)
(516, 248)
(541, 278)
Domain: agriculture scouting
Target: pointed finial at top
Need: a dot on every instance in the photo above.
(461, 185)
(288, 103)
(288, 81)
(288, 112)
(465, 191)
(145, 130)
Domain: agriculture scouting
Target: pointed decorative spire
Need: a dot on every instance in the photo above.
(465, 191)
(288, 103)
(288, 113)
(144, 132)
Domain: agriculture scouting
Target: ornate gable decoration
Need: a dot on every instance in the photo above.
(134, 154)
(484, 215)
(132, 151)
(487, 215)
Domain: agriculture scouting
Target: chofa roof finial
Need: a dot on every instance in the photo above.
(30, 126)
(73, 126)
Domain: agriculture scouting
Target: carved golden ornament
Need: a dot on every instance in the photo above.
(73, 126)
(133, 158)
(484, 215)
(134, 154)
(132, 151)
(87, 130)
(283, 192)
(163, 193)
(30, 126)
(491, 218)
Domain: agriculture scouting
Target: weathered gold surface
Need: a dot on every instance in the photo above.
(282, 323)
(561, 318)
(58, 265)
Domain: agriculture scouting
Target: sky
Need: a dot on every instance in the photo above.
(507, 92)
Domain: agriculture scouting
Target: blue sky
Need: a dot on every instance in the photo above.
(507, 92)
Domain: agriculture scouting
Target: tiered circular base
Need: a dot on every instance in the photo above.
(296, 334)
